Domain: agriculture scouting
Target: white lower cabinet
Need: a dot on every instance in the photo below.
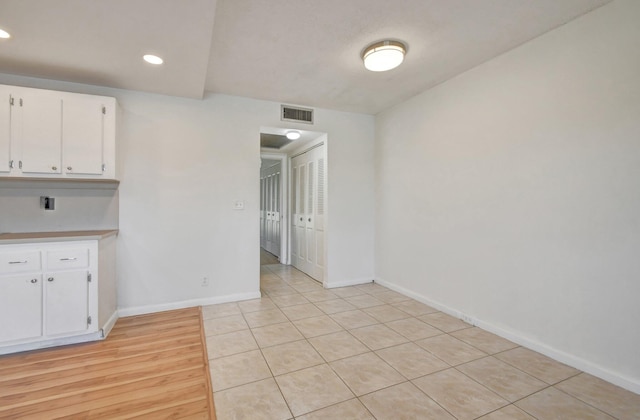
(66, 305)
(50, 293)
(20, 307)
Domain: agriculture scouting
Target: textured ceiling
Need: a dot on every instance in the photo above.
(303, 52)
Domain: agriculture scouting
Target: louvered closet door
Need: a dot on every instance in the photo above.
(294, 213)
(319, 210)
(300, 227)
(309, 174)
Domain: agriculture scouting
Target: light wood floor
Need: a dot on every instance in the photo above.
(151, 366)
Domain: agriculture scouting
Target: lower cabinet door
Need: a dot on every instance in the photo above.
(20, 307)
(66, 302)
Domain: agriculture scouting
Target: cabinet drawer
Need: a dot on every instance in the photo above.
(68, 258)
(20, 261)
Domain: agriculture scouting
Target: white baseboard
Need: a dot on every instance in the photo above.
(149, 309)
(615, 378)
(420, 298)
(354, 282)
(108, 326)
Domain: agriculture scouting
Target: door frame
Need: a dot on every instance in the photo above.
(285, 256)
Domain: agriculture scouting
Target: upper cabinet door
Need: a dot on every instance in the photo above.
(83, 135)
(5, 129)
(37, 123)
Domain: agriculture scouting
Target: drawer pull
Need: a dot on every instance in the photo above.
(34, 281)
(68, 259)
(18, 262)
(50, 279)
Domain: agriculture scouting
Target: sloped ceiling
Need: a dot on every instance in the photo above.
(303, 52)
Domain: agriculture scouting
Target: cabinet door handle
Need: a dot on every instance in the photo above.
(54, 168)
(309, 219)
(34, 281)
(50, 279)
(69, 168)
(18, 262)
(68, 259)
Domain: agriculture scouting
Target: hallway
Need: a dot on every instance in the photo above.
(367, 352)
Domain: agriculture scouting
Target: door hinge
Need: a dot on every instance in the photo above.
(104, 167)
(11, 164)
(20, 164)
(89, 320)
(11, 100)
(20, 101)
(104, 110)
(89, 277)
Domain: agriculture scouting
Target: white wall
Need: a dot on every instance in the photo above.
(182, 165)
(512, 194)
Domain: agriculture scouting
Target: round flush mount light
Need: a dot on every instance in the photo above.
(153, 59)
(293, 135)
(4, 34)
(384, 55)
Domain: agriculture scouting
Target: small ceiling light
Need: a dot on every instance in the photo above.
(4, 34)
(384, 55)
(293, 135)
(153, 59)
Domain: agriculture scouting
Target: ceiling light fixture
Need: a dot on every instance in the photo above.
(153, 59)
(293, 135)
(384, 55)
(4, 34)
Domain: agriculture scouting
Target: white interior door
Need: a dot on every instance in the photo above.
(275, 213)
(309, 172)
(270, 203)
(263, 213)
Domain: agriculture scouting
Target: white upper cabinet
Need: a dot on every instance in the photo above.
(5, 130)
(37, 128)
(85, 130)
(57, 134)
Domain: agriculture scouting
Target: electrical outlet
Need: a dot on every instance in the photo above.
(205, 282)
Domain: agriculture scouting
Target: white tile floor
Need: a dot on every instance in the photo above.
(366, 352)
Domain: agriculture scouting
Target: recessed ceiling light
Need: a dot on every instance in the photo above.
(4, 34)
(384, 55)
(153, 59)
(293, 135)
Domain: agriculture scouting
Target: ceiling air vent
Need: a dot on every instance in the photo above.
(289, 113)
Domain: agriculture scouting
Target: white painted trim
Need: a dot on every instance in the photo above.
(149, 309)
(437, 305)
(354, 282)
(108, 326)
(566, 358)
(54, 342)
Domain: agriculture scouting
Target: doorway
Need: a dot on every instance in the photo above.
(271, 206)
(285, 198)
